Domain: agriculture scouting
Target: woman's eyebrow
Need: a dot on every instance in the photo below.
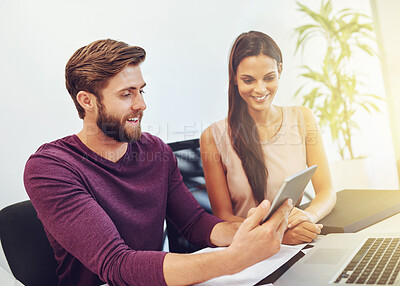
(269, 73)
(245, 75)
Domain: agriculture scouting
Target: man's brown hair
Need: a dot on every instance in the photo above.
(91, 67)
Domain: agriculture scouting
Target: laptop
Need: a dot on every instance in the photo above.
(348, 259)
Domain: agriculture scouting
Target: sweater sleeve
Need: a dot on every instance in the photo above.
(79, 225)
(189, 218)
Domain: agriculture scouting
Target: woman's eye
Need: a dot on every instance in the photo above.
(247, 81)
(142, 92)
(126, 95)
(270, 78)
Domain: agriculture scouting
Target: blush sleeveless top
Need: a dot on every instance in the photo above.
(284, 155)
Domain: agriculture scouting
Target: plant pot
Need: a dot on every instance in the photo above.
(351, 174)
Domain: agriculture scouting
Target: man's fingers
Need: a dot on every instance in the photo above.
(282, 228)
(250, 212)
(257, 215)
(281, 213)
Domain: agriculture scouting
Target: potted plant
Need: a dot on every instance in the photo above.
(332, 89)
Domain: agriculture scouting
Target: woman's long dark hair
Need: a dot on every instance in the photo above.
(242, 128)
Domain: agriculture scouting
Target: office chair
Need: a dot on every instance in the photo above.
(26, 247)
(187, 154)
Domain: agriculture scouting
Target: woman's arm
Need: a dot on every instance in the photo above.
(325, 195)
(302, 225)
(215, 177)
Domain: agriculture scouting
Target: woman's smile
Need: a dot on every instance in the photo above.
(259, 99)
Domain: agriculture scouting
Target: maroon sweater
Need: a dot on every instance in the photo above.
(105, 220)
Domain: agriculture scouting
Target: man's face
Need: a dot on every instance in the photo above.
(121, 109)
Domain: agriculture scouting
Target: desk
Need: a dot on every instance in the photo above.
(389, 225)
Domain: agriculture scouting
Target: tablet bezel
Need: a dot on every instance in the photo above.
(293, 188)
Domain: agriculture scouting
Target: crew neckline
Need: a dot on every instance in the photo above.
(98, 157)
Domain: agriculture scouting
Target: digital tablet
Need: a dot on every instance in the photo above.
(293, 188)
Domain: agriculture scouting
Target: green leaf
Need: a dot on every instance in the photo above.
(366, 49)
(373, 96)
(331, 90)
(298, 91)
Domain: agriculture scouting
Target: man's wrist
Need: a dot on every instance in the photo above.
(222, 234)
(232, 263)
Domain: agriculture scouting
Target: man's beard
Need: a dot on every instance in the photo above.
(115, 128)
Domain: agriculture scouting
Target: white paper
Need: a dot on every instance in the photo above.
(257, 272)
(6, 279)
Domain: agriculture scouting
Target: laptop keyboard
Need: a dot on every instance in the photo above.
(377, 262)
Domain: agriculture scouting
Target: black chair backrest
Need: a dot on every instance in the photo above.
(187, 154)
(26, 247)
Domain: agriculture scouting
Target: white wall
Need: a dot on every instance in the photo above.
(187, 44)
(386, 13)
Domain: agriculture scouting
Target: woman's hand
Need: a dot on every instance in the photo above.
(303, 232)
(301, 227)
(298, 216)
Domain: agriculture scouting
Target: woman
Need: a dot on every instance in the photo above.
(247, 156)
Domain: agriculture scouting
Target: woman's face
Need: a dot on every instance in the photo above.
(257, 80)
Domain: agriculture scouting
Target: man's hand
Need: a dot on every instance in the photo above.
(254, 242)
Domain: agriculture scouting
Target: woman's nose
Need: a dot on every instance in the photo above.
(261, 87)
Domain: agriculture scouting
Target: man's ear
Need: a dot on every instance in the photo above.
(86, 100)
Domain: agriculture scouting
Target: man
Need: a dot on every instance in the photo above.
(103, 194)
